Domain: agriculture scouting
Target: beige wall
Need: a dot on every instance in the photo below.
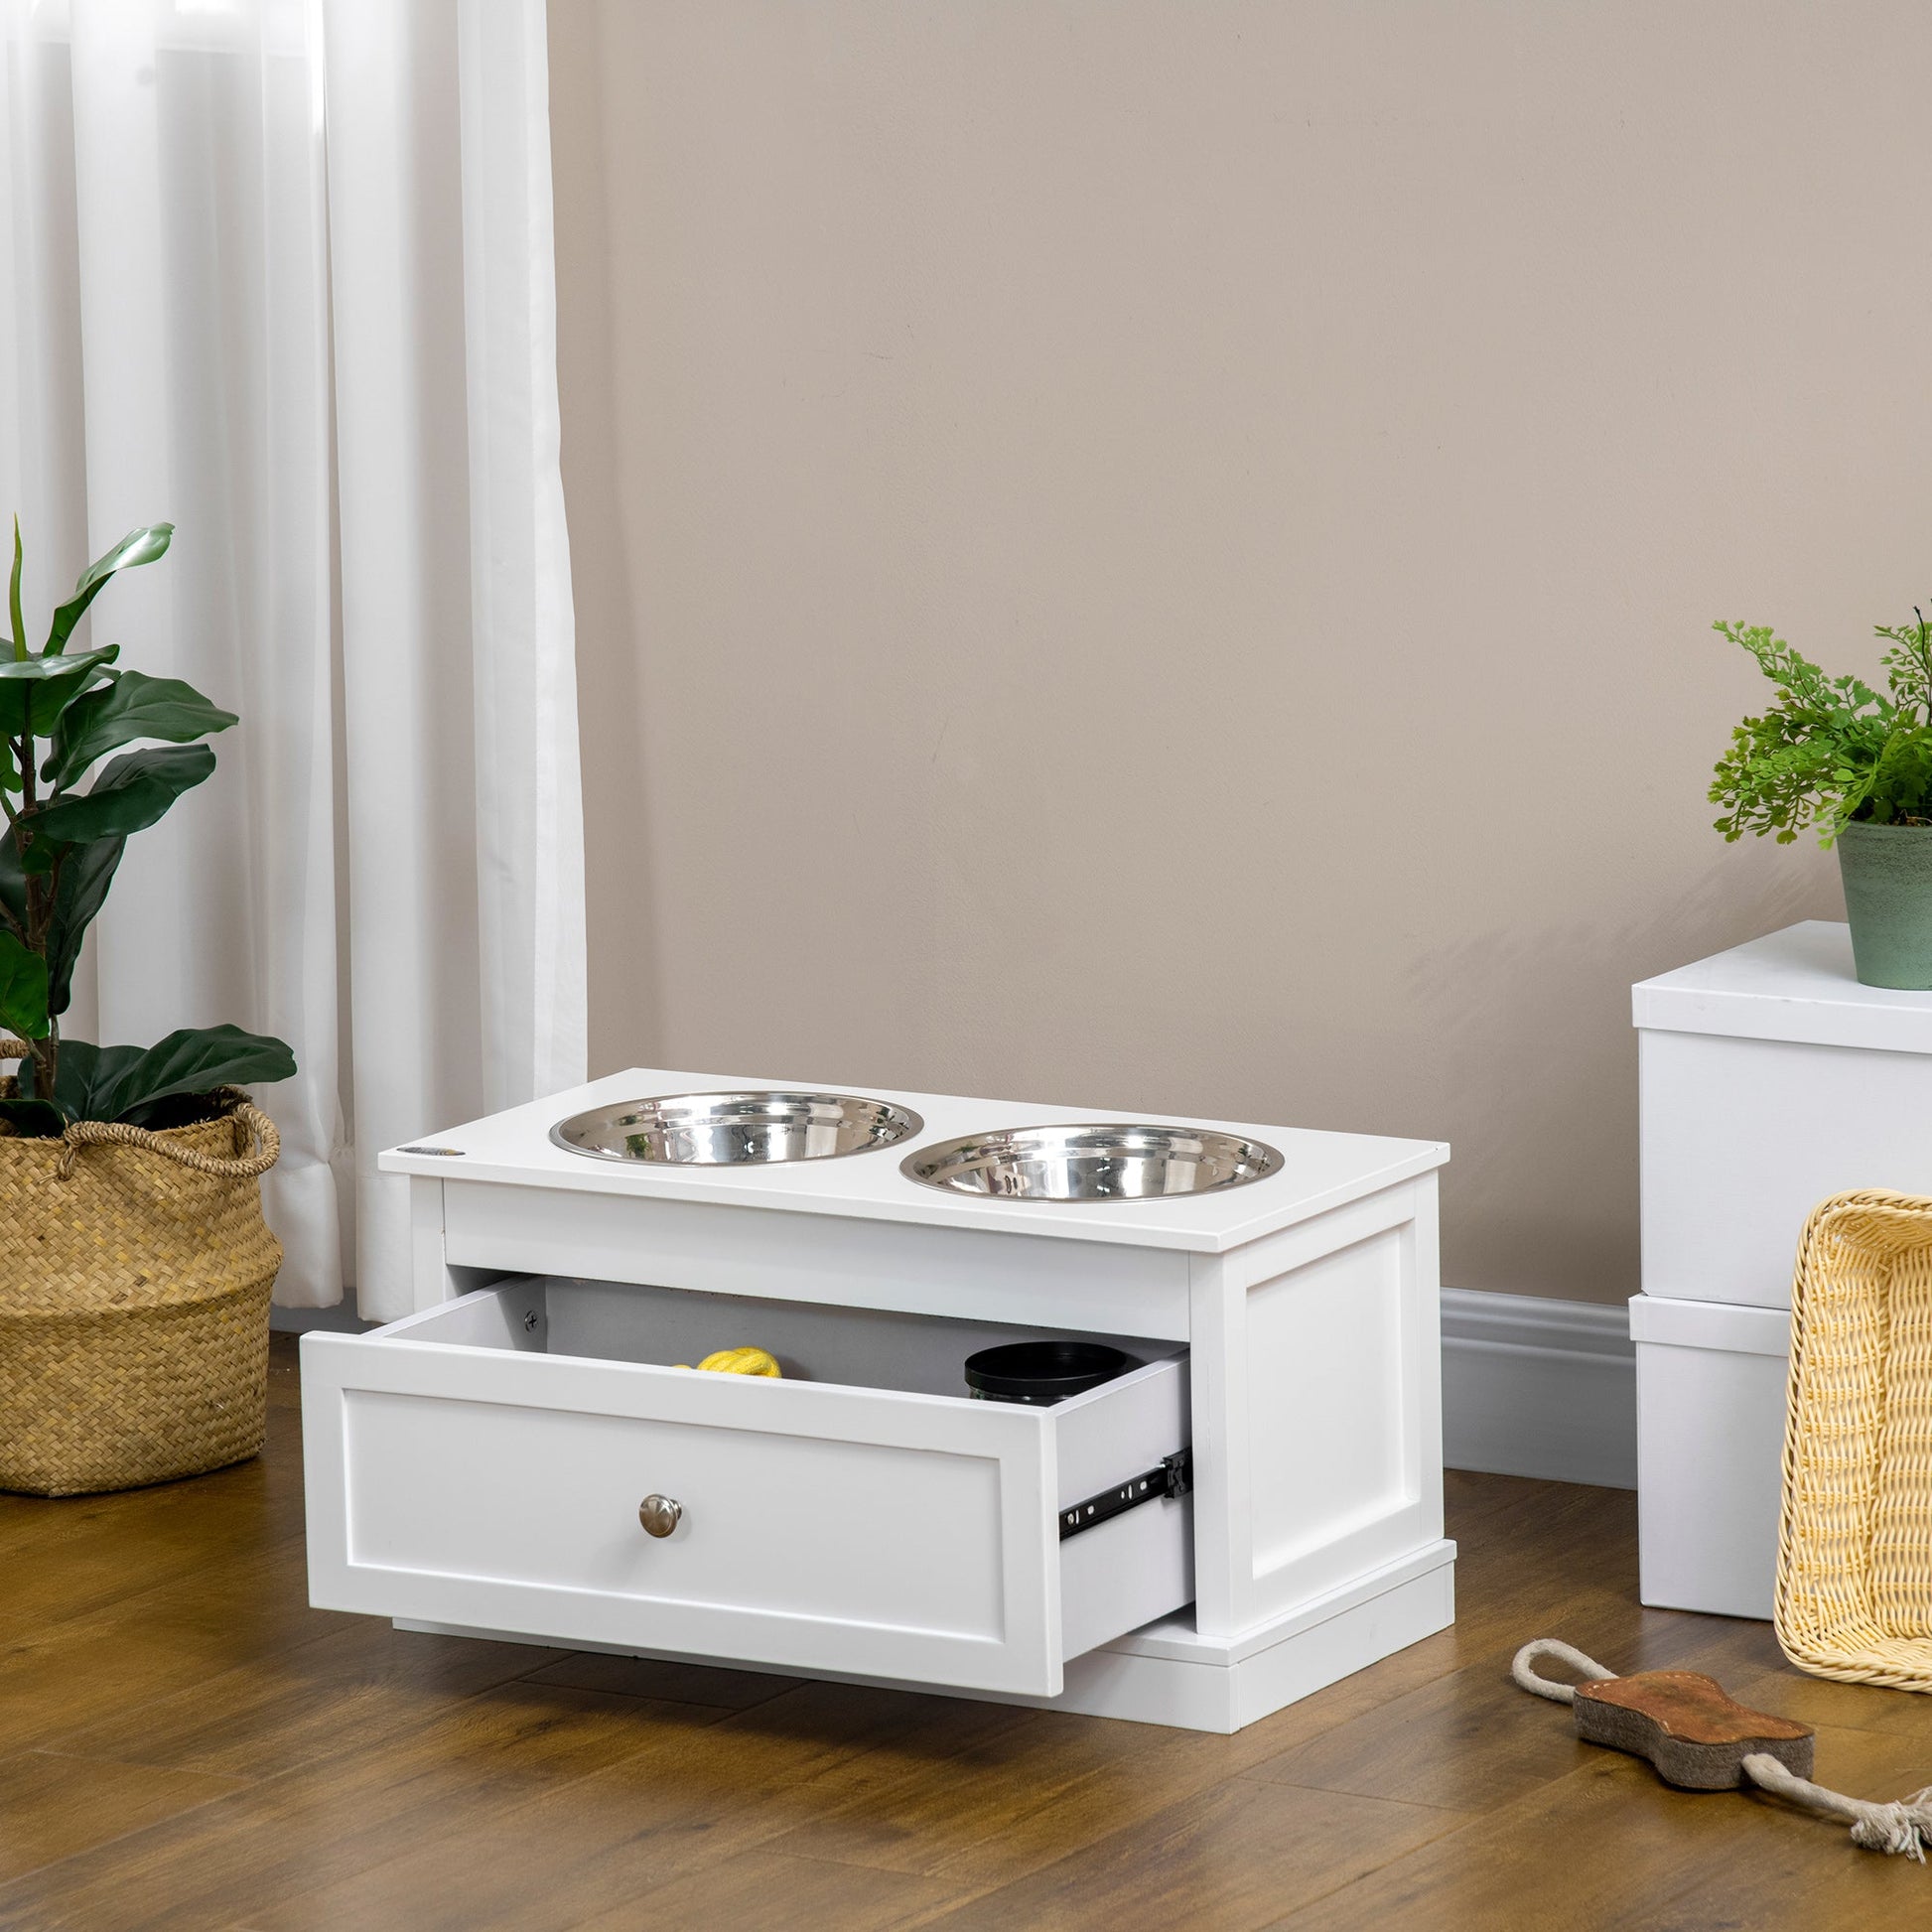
(1157, 554)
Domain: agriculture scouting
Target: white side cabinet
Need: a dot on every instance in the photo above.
(1769, 1078)
(500, 1463)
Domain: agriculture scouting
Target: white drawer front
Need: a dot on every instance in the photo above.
(823, 1527)
(548, 1498)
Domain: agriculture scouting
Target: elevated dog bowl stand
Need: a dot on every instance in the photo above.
(1251, 1513)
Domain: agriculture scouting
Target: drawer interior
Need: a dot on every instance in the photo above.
(618, 1321)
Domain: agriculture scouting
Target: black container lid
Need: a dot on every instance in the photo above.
(1045, 1368)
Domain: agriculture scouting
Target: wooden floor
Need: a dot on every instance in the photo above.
(184, 1743)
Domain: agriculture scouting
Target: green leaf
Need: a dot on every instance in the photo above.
(34, 1120)
(13, 599)
(35, 856)
(49, 699)
(85, 874)
(131, 792)
(141, 546)
(35, 691)
(82, 1070)
(22, 990)
(133, 705)
(13, 883)
(123, 1083)
(87, 871)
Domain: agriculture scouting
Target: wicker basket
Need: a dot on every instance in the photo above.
(134, 1283)
(1855, 1538)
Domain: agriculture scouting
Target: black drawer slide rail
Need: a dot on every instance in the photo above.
(1173, 1477)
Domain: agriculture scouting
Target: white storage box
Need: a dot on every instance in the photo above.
(1769, 1078)
(1711, 1405)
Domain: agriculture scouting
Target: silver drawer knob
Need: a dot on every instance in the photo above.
(659, 1515)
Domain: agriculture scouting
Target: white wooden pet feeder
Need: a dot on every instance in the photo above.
(1249, 1512)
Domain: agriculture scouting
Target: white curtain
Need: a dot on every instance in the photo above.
(280, 272)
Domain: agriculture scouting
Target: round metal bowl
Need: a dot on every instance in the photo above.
(726, 1130)
(1130, 1162)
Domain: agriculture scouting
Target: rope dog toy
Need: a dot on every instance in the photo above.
(738, 1361)
(1700, 1739)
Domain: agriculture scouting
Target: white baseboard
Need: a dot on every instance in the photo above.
(1536, 1388)
(1530, 1388)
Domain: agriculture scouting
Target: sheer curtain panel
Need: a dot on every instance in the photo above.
(280, 271)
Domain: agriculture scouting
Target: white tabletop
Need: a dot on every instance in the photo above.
(1793, 985)
(1320, 1170)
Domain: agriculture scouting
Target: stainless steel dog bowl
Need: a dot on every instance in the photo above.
(719, 1130)
(1130, 1162)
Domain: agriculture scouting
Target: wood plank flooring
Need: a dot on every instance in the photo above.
(184, 1744)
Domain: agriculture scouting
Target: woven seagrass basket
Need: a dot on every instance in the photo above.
(134, 1283)
(1854, 1536)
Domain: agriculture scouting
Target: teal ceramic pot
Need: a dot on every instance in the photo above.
(1887, 875)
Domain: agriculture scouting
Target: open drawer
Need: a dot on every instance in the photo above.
(485, 1463)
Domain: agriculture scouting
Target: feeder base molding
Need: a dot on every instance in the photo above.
(1168, 1672)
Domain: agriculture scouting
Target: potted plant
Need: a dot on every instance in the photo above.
(1832, 753)
(135, 1275)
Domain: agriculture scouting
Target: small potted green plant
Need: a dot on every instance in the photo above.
(1833, 753)
(136, 1269)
